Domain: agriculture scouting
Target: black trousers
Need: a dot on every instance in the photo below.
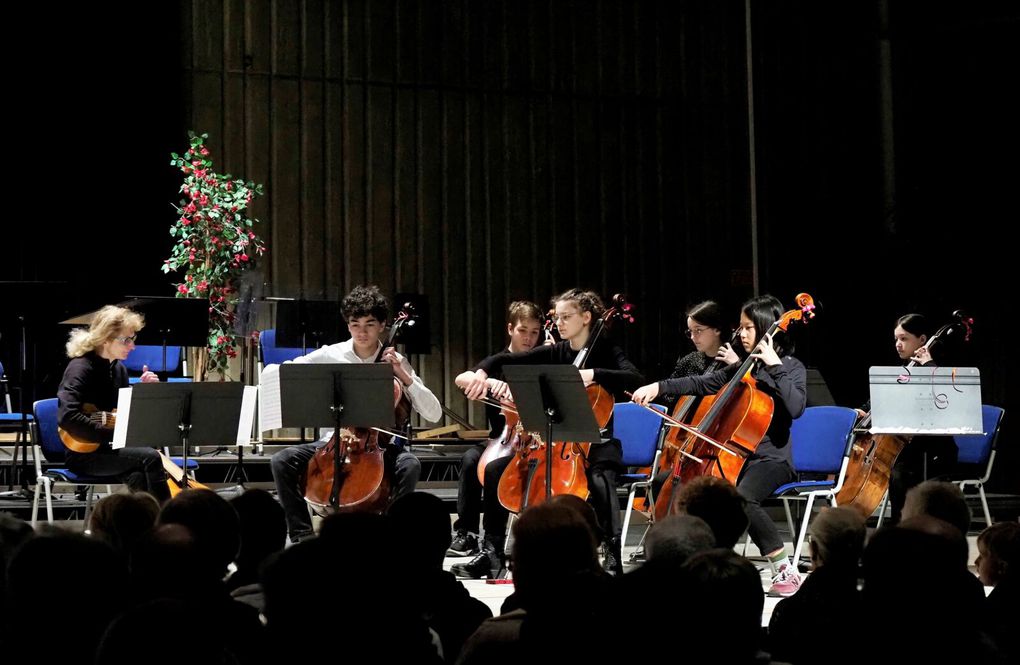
(141, 469)
(758, 480)
(469, 491)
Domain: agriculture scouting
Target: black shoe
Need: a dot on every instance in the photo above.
(465, 544)
(613, 562)
(486, 564)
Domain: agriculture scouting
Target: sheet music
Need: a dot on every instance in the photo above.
(925, 400)
(270, 413)
(247, 415)
(120, 426)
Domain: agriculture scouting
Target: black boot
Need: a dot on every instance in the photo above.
(486, 564)
(613, 560)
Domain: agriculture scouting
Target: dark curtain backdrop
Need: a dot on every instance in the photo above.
(478, 152)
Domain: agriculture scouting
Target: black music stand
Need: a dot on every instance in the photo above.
(337, 395)
(309, 323)
(171, 321)
(552, 398)
(207, 414)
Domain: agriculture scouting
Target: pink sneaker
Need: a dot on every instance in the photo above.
(786, 582)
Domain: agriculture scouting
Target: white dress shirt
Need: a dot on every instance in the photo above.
(422, 399)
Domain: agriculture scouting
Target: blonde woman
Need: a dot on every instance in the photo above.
(90, 384)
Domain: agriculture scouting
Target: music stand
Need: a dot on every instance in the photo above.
(925, 400)
(213, 414)
(300, 322)
(552, 398)
(171, 321)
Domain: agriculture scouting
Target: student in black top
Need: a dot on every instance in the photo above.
(524, 325)
(705, 326)
(924, 456)
(784, 379)
(576, 310)
(93, 377)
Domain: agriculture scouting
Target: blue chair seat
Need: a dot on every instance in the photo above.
(68, 476)
(803, 485)
(14, 417)
(192, 462)
(626, 478)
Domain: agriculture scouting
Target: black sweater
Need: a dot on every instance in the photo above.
(89, 380)
(612, 369)
(786, 384)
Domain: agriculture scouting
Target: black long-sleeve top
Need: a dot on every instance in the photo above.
(89, 379)
(613, 371)
(785, 383)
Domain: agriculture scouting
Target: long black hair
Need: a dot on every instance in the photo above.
(763, 312)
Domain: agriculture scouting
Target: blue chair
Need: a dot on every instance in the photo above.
(152, 356)
(12, 421)
(821, 440)
(48, 446)
(640, 433)
(271, 354)
(978, 452)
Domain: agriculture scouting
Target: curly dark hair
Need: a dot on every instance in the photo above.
(586, 301)
(365, 301)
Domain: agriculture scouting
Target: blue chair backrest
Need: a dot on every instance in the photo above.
(978, 448)
(152, 356)
(45, 411)
(3, 392)
(638, 431)
(820, 438)
(273, 354)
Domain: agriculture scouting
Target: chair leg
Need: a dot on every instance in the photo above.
(35, 500)
(49, 500)
(789, 518)
(626, 515)
(984, 504)
(803, 529)
(881, 511)
(88, 505)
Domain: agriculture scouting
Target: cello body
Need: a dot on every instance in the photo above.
(349, 473)
(740, 425)
(499, 447)
(872, 457)
(523, 482)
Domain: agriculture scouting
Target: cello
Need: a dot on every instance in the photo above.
(517, 489)
(349, 473)
(872, 456)
(729, 425)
